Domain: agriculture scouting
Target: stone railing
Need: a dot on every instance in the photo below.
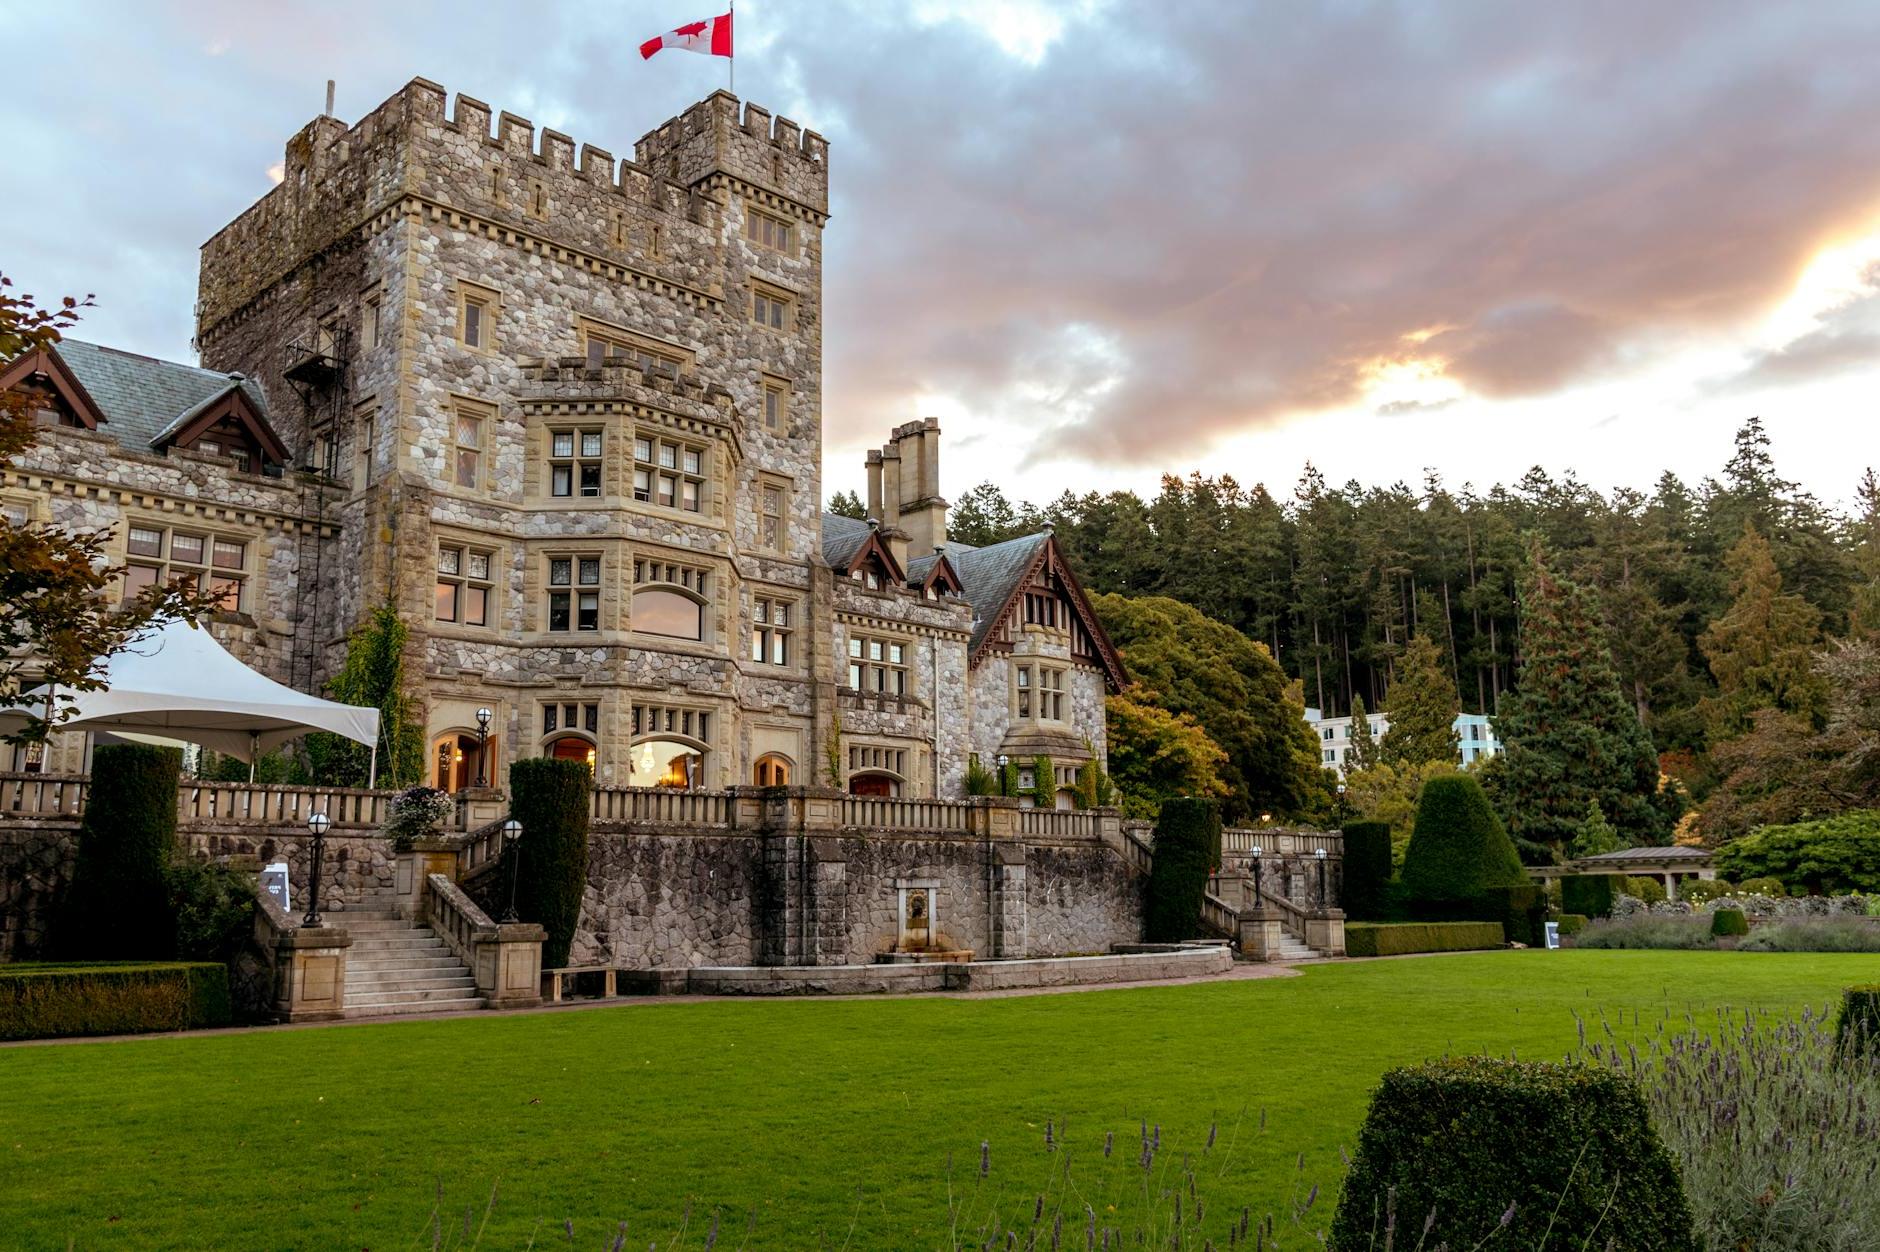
(890, 813)
(505, 958)
(661, 806)
(305, 966)
(1281, 842)
(479, 850)
(1292, 916)
(273, 804)
(1219, 916)
(1058, 823)
(43, 795)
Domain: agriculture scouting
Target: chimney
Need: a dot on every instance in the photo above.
(874, 482)
(923, 512)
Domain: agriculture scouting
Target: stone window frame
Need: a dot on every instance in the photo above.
(866, 757)
(490, 303)
(689, 725)
(573, 590)
(651, 472)
(365, 429)
(587, 330)
(486, 415)
(773, 526)
(204, 569)
(1031, 698)
(21, 509)
(693, 582)
(772, 308)
(464, 578)
(371, 318)
(539, 204)
(774, 394)
(784, 235)
(577, 460)
(781, 770)
(773, 641)
(873, 669)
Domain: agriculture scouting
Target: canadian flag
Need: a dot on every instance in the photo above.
(710, 36)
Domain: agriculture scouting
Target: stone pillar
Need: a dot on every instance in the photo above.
(427, 856)
(799, 852)
(1260, 934)
(1325, 930)
(1010, 936)
(825, 932)
(310, 974)
(479, 806)
(509, 965)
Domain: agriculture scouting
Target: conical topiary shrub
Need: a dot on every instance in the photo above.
(1458, 850)
(118, 906)
(552, 798)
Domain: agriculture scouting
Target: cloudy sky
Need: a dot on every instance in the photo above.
(1106, 240)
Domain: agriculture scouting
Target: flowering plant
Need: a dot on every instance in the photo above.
(416, 811)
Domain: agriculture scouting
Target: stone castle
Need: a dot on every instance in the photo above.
(565, 412)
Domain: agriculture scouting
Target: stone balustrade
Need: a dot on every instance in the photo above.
(505, 958)
(43, 795)
(662, 806)
(275, 804)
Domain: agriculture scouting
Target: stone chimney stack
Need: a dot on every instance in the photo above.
(922, 511)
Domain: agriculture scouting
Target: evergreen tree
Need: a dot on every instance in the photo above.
(1571, 737)
(1422, 707)
(1596, 834)
(1363, 753)
(848, 504)
(1761, 651)
(373, 677)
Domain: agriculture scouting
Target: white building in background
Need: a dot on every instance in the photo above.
(1473, 730)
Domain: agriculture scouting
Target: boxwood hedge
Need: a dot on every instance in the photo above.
(1511, 1154)
(1403, 938)
(46, 1001)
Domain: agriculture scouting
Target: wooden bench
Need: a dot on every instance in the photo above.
(552, 980)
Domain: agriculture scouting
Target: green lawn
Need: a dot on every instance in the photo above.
(818, 1115)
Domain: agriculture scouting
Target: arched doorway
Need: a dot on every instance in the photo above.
(667, 762)
(773, 769)
(874, 785)
(454, 760)
(572, 748)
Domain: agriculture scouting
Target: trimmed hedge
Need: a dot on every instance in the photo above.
(1590, 895)
(1367, 870)
(47, 1001)
(551, 799)
(1187, 838)
(1404, 938)
(1571, 923)
(1566, 1153)
(1857, 1026)
(1458, 849)
(1522, 912)
(118, 906)
(1728, 923)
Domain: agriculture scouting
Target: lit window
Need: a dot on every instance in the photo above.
(771, 770)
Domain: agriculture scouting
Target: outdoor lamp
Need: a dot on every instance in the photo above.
(1004, 760)
(1320, 854)
(1256, 875)
(512, 838)
(317, 823)
(483, 738)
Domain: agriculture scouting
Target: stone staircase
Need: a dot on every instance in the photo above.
(394, 968)
(1291, 948)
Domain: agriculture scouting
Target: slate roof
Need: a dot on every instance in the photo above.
(144, 399)
(990, 574)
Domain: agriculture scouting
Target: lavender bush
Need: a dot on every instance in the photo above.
(1645, 930)
(1813, 934)
(1779, 1144)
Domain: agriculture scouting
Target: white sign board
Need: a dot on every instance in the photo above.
(274, 882)
(1553, 934)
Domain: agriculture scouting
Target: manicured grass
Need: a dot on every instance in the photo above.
(818, 1115)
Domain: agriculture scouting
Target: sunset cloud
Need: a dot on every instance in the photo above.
(1114, 240)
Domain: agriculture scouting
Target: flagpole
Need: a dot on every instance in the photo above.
(731, 65)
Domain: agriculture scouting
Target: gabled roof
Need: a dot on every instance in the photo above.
(143, 399)
(924, 571)
(65, 384)
(990, 577)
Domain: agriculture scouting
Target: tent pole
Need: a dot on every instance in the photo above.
(372, 775)
(254, 755)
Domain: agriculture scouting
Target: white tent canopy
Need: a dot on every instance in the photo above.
(177, 682)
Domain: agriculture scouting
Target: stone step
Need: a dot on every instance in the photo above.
(464, 1004)
(375, 998)
(404, 979)
(399, 939)
(402, 961)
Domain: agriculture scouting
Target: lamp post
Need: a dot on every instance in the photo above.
(1343, 811)
(1258, 899)
(483, 739)
(1004, 760)
(1320, 855)
(317, 823)
(512, 844)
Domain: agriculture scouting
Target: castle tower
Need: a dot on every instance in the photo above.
(567, 410)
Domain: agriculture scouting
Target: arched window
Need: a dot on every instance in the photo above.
(772, 770)
(662, 611)
(666, 763)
